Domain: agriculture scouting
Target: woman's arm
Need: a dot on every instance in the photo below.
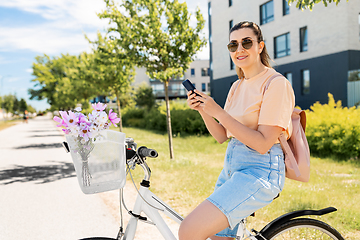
(215, 129)
(260, 140)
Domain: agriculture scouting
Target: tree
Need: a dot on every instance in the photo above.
(310, 3)
(22, 105)
(144, 96)
(64, 81)
(159, 36)
(115, 69)
(51, 82)
(84, 78)
(16, 105)
(8, 103)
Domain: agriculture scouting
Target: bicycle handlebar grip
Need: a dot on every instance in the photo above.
(147, 152)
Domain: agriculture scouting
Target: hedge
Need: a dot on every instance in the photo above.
(183, 119)
(333, 130)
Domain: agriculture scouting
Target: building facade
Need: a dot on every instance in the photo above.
(198, 73)
(318, 51)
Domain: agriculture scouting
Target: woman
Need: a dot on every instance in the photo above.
(254, 169)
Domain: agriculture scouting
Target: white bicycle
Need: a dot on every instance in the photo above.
(292, 225)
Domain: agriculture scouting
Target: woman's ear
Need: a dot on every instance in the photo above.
(261, 46)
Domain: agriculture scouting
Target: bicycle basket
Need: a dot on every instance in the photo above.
(100, 165)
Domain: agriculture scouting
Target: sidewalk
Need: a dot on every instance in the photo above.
(39, 193)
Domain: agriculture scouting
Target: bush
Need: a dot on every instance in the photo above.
(133, 117)
(183, 119)
(333, 130)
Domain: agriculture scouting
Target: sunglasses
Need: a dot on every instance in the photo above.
(246, 43)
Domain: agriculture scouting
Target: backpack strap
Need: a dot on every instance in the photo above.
(289, 156)
(269, 81)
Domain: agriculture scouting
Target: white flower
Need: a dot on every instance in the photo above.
(92, 117)
(103, 117)
(78, 109)
(83, 125)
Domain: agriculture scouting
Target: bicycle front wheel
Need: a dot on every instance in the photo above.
(303, 228)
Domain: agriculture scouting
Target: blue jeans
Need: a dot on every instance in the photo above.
(248, 182)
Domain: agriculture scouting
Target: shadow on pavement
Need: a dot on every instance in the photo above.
(44, 173)
(42, 145)
(38, 131)
(49, 135)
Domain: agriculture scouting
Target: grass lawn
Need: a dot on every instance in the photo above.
(189, 179)
(6, 124)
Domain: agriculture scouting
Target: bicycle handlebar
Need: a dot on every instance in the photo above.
(147, 152)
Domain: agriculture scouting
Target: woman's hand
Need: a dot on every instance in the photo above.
(207, 104)
(192, 102)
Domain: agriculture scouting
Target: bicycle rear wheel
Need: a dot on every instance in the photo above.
(303, 228)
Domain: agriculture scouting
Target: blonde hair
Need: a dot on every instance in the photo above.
(264, 56)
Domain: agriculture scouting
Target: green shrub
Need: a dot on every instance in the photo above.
(183, 119)
(333, 130)
(128, 116)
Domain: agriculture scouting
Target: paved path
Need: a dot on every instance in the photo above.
(39, 194)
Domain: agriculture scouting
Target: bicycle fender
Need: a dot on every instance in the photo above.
(288, 216)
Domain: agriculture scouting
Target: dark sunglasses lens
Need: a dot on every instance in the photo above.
(233, 46)
(247, 44)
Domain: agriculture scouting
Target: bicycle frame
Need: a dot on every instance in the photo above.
(141, 206)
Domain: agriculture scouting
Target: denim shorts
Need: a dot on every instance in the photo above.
(248, 182)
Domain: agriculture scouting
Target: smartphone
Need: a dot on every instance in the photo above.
(190, 87)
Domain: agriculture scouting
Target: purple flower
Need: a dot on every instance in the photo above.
(113, 118)
(70, 119)
(59, 120)
(83, 120)
(99, 106)
(66, 131)
(85, 133)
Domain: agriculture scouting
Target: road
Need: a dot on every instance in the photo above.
(39, 193)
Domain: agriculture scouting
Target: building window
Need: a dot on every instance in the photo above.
(267, 12)
(205, 72)
(286, 7)
(303, 39)
(203, 87)
(232, 65)
(231, 24)
(359, 26)
(305, 77)
(193, 72)
(354, 75)
(288, 76)
(230, 3)
(282, 45)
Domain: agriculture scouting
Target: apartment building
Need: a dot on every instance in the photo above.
(318, 51)
(198, 74)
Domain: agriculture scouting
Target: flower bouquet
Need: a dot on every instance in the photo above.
(98, 153)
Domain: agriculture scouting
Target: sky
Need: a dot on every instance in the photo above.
(37, 27)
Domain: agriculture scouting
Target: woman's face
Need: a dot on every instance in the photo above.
(246, 58)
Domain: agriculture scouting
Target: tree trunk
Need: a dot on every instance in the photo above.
(119, 109)
(168, 119)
